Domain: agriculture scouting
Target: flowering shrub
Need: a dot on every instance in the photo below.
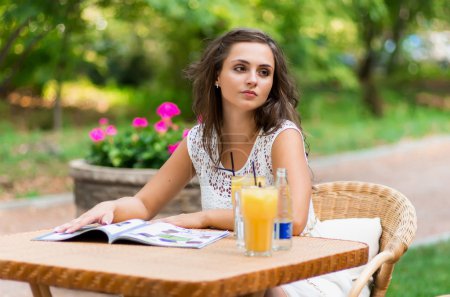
(141, 146)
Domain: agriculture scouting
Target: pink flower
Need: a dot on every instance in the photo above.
(97, 135)
(168, 110)
(185, 132)
(140, 122)
(111, 130)
(172, 147)
(103, 121)
(161, 126)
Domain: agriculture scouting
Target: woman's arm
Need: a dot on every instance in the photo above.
(168, 181)
(171, 178)
(214, 218)
(288, 152)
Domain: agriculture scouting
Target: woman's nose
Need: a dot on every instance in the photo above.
(252, 78)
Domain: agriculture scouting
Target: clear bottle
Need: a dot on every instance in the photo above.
(283, 223)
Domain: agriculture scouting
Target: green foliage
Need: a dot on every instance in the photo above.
(422, 271)
(31, 36)
(146, 44)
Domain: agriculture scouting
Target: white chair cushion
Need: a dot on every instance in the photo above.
(367, 230)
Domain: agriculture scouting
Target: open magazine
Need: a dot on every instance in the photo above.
(140, 231)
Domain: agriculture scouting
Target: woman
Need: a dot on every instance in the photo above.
(246, 102)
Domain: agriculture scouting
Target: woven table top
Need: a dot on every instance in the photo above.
(219, 269)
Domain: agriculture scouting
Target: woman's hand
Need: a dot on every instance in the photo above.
(102, 213)
(196, 220)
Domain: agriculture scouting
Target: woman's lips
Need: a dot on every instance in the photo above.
(248, 93)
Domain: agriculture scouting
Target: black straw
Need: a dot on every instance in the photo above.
(254, 172)
(232, 163)
(224, 169)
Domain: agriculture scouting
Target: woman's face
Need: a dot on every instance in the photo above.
(246, 76)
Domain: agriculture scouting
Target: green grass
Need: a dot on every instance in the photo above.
(29, 158)
(422, 271)
(337, 121)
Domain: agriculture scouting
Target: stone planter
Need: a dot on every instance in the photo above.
(94, 184)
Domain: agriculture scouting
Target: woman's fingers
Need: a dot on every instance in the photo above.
(107, 218)
(86, 219)
(82, 221)
(102, 213)
(75, 224)
(62, 228)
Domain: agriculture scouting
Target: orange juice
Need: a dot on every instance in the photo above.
(237, 182)
(259, 209)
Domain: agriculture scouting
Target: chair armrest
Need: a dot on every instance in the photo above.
(369, 270)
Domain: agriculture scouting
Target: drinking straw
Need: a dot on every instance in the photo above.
(224, 169)
(254, 172)
(232, 164)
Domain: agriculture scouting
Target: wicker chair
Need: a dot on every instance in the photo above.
(342, 199)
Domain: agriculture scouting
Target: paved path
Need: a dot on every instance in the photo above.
(419, 169)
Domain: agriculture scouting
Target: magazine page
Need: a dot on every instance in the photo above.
(109, 230)
(114, 230)
(56, 236)
(164, 234)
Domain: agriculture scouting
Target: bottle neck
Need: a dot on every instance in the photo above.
(281, 173)
(281, 176)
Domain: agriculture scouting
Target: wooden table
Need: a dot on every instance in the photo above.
(219, 269)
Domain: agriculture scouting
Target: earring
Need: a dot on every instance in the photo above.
(217, 85)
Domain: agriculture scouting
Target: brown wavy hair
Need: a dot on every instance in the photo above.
(207, 106)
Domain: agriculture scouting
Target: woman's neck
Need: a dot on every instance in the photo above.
(239, 133)
(239, 128)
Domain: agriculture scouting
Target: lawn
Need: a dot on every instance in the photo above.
(422, 271)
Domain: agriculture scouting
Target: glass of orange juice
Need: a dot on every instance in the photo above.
(237, 182)
(259, 210)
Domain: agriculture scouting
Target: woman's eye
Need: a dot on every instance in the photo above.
(239, 68)
(264, 72)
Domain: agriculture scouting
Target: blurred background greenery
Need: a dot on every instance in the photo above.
(369, 72)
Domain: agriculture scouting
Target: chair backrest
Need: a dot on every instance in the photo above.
(350, 199)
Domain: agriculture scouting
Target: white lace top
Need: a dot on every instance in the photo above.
(215, 185)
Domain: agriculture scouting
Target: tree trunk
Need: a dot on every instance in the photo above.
(60, 77)
(370, 90)
(397, 33)
(367, 67)
(61, 71)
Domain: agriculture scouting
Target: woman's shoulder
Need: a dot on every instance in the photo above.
(194, 143)
(285, 125)
(195, 131)
(270, 137)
